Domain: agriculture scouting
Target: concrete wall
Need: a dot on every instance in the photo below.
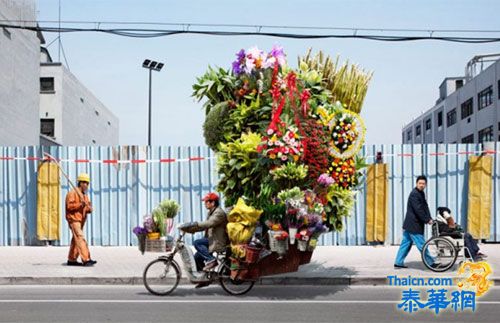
(19, 82)
(80, 118)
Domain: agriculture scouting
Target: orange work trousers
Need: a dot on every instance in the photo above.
(79, 245)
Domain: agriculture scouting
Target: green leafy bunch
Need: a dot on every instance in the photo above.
(239, 168)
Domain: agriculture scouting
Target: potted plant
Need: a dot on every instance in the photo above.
(163, 215)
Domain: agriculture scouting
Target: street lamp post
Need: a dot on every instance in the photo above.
(151, 66)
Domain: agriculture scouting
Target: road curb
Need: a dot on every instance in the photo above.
(319, 281)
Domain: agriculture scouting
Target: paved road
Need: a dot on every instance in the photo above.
(262, 304)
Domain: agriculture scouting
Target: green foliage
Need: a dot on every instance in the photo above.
(241, 174)
(290, 175)
(274, 212)
(213, 128)
(291, 194)
(340, 204)
(167, 209)
(252, 117)
(347, 83)
(216, 85)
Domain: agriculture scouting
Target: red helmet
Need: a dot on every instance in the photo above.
(211, 197)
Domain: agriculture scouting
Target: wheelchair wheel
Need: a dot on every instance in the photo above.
(442, 251)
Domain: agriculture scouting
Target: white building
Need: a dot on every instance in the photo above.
(42, 102)
(467, 111)
(19, 76)
(69, 112)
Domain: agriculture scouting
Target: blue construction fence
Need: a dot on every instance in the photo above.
(123, 193)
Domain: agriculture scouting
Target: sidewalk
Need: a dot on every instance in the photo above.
(338, 265)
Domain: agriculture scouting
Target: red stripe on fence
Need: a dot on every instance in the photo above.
(6, 158)
(437, 154)
(196, 158)
(82, 160)
(137, 161)
(167, 160)
(110, 161)
(32, 158)
(405, 155)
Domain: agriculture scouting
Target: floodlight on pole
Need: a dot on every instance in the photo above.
(151, 66)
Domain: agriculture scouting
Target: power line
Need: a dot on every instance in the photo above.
(185, 25)
(152, 33)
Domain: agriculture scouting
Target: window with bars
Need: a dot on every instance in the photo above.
(47, 85)
(467, 108)
(485, 97)
(428, 124)
(47, 127)
(451, 117)
(418, 131)
(440, 118)
(468, 140)
(485, 134)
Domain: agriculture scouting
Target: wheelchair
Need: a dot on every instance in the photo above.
(444, 249)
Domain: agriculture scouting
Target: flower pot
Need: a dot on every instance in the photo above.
(302, 244)
(154, 235)
(292, 232)
(279, 246)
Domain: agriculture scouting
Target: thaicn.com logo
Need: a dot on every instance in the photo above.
(440, 294)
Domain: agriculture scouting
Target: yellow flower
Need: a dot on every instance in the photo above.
(272, 156)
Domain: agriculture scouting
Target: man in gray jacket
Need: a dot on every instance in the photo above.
(215, 239)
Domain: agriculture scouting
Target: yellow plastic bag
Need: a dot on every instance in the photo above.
(242, 221)
(242, 212)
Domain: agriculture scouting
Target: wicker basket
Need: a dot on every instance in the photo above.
(279, 246)
(159, 245)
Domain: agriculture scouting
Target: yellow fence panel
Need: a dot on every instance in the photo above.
(376, 202)
(48, 202)
(479, 199)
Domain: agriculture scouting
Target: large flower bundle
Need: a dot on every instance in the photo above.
(305, 136)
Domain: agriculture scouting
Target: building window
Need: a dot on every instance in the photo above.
(96, 113)
(47, 84)
(82, 100)
(93, 141)
(440, 118)
(418, 131)
(486, 134)
(485, 97)
(467, 108)
(47, 127)
(408, 135)
(468, 140)
(451, 117)
(109, 123)
(7, 33)
(428, 125)
(459, 84)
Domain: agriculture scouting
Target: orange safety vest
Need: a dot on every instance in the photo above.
(74, 210)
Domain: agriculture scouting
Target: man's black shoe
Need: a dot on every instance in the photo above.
(74, 263)
(400, 266)
(202, 284)
(89, 263)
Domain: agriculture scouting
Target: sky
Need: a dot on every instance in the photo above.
(406, 74)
